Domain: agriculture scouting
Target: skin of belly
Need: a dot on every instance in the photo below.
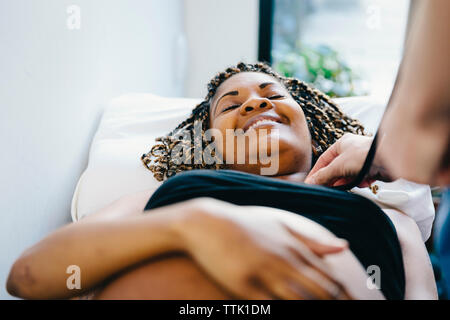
(173, 277)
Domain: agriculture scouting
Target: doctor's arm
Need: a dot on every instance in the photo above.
(414, 136)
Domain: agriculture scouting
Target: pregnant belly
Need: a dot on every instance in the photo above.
(171, 277)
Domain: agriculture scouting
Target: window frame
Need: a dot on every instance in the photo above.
(266, 15)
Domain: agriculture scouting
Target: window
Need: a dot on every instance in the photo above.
(342, 47)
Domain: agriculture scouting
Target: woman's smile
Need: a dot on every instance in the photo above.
(263, 120)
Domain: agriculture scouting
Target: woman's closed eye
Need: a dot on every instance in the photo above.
(277, 96)
(234, 106)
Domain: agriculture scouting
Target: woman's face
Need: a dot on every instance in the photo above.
(254, 101)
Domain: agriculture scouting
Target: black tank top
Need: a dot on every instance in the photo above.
(370, 233)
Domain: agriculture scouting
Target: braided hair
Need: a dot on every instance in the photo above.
(326, 123)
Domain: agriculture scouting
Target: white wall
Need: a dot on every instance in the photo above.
(219, 34)
(53, 85)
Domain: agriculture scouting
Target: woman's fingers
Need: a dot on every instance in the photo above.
(296, 274)
(254, 288)
(320, 247)
(298, 281)
(316, 284)
(283, 285)
(282, 289)
(318, 272)
(290, 278)
(307, 250)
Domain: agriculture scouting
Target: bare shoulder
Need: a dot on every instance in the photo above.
(130, 204)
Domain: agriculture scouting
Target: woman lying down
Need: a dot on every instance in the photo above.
(229, 231)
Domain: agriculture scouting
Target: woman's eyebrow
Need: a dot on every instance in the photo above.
(265, 84)
(231, 93)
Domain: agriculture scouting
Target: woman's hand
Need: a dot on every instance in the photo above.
(342, 162)
(254, 254)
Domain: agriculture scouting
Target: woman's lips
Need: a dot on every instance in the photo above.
(260, 121)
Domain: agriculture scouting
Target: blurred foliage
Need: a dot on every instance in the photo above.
(322, 67)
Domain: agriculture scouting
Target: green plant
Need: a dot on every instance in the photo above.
(322, 67)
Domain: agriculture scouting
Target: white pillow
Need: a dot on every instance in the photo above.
(128, 128)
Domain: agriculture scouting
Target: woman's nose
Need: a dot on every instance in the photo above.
(255, 104)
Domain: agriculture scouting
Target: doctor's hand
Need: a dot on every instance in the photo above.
(342, 162)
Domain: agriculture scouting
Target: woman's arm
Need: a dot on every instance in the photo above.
(100, 246)
(180, 277)
(209, 230)
(420, 282)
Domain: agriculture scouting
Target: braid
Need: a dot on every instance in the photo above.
(326, 123)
